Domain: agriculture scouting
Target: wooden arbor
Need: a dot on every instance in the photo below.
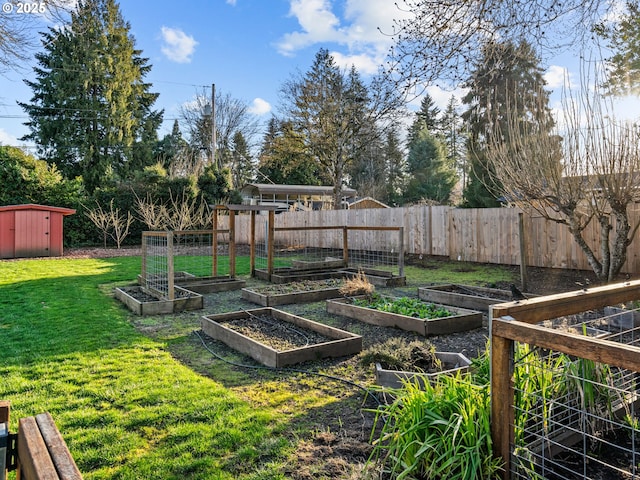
(233, 210)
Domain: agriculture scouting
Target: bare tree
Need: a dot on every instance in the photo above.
(591, 176)
(181, 213)
(153, 215)
(110, 222)
(231, 116)
(19, 21)
(440, 41)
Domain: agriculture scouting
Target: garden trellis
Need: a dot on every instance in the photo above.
(564, 384)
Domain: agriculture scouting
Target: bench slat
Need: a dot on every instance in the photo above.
(33, 456)
(62, 459)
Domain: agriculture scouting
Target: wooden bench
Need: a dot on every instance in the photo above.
(40, 451)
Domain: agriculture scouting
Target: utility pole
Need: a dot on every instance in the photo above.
(213, 125)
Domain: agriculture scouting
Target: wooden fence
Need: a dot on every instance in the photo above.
(485, 235)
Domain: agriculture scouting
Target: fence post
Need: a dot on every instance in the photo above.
(170, 270)
(345, 246)
(524, 277)
(232, 244)
(214, 244)
(252, 245)
(502, 395)
(270, 240)
(401, 252)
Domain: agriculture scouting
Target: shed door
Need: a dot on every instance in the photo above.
(32, 233)
(7, 234)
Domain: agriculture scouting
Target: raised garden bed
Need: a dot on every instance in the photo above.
(202, 284)
(451, 363)
(245, 332)
(297, 292)
(212, 284)
(142, 301)
(320, 264)
(381, 278)
(288, 275)
(460, 319)
(475, 298)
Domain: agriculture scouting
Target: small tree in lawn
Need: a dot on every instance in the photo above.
(590, 175)
(110, 222)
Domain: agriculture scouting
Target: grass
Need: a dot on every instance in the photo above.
(127, 407)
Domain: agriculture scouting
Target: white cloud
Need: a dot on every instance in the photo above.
(364, 63)
(260, 107)
(557, 77)
(178, 46)
(232, 2)
(7, 139)
(363, 27)
(318, 23)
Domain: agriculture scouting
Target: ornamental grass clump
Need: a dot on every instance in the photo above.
(437, 431)
(357, 285)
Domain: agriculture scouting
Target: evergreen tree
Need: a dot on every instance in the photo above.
(624, 41)
(284, 158)
(394, 169)
(170, 146)
(508, 79)
(431, 176)
(241, 164)
(454, 138)
(427, 116)
(91, 111)
(336, 116)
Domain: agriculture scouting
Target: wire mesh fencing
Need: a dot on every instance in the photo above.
(157, 267)
(574, 393)
(330, 247)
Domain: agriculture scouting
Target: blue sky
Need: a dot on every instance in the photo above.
(248, 48)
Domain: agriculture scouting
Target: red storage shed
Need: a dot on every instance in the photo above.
(31, 230)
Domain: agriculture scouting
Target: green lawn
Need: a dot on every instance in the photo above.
(128, 410)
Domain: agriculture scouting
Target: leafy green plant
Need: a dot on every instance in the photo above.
(437, 431)
(411, 307)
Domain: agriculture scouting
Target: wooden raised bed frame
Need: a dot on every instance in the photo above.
(475, 298)
(344, 343)
(190, 301)
(463, 320)
(273, 299)
(452, 363)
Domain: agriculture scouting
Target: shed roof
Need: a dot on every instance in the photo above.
(34, 206)
(270, 188)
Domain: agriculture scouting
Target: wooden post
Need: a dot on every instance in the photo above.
(214, 244)
(401, 252)
(5, 410)
(345, 246)
(252, 245)
(232, 244)
(170, 270)
(270, 240)
(502, 398)
(524, 277)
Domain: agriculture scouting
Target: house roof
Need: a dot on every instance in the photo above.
(34, 206)
(274, 189)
